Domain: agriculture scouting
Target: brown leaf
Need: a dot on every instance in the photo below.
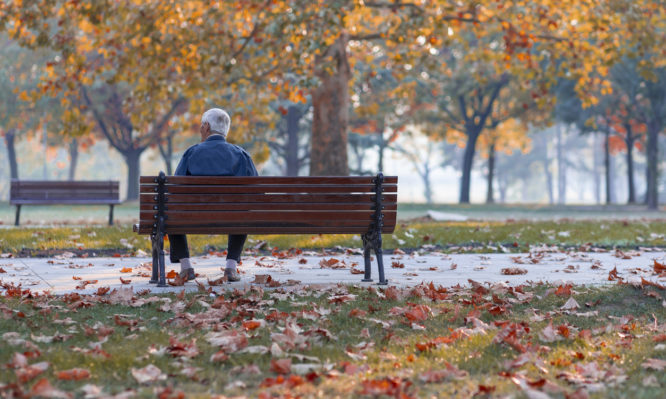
(44, 389)
(27, 373)
(124, 281)
(281, 366)
(511, 271)
(659, 267)
(262, 279)
(74, 374)
(182, 349)
(397, 265)
(331, 264)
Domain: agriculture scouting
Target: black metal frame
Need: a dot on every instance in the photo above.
(373, 238)
(157, 235)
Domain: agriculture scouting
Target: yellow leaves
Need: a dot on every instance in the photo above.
(23, 96)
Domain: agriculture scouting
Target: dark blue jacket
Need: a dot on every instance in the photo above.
(216, 157)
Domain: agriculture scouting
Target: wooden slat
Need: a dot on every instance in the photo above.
(268, 188)
(237, 180)
(260, 216)
(64, 201)
(326, 206)
(269, 198)
(262, 230)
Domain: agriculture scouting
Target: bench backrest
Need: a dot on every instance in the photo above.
(268, 204)
(54, 192)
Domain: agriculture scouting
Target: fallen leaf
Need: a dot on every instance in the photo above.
(125, 281)
(571, 304)
(654, 364)
(27, 373)
(281, 366)
(511, 271)
(75, 374)
(150, 373)
(44, 389)
(126, 270)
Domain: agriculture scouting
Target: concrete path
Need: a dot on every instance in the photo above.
(64, 274)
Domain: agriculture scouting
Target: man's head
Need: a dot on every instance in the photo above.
(214, 121)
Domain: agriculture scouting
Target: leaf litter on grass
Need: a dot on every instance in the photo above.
(340, 340)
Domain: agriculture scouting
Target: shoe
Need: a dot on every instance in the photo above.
(187, 274)
(231, 275)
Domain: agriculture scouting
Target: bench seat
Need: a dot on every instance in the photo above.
(49, 192)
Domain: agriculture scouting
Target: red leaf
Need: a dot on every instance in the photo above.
(281, 366)
(75, 374)
(122, 280)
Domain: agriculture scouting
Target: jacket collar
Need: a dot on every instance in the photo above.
(215, 136)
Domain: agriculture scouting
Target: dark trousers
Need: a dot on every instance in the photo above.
(179, 248)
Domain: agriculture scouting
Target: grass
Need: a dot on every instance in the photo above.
(469, 236)
(347, 360)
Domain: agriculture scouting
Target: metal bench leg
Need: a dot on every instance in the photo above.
(162, 282)
(156, 260)
(18, 215)
(367, 246)
(160, 251)
(111, 215)
(380, 260)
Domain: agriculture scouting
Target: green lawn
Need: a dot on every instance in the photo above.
(339, 342)
(470, 236)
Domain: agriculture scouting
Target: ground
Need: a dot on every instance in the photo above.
(483, 308)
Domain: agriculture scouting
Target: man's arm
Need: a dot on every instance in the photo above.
(181, 170)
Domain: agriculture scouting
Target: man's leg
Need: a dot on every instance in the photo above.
(234, 250)
(180, 253)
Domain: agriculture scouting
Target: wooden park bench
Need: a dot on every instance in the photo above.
(365, 205)
(48, 192)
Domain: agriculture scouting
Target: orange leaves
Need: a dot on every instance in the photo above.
(171, 274)
(563, 290)
(126, 270)
(613, 276)
(75, 374)
(390, 386)
(659, 267)
(124, 281)
(251, 325)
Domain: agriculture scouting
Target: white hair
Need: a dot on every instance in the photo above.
(218, 120)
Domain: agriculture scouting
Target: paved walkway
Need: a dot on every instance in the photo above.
(65, 274)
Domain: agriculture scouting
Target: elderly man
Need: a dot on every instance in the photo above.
(212, 157)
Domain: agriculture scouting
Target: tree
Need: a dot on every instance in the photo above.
(290, 143)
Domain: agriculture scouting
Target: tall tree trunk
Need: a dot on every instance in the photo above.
(607, 165)
(293, 118)
(652, 195)
(549, 179)
(629, 141)
(330, 102)
(10, 137)
(427, 185)
(167, 153)
(595, 168)
(468, 160)
(491, 173)
(73, 158)
(561, 168)
(132, 159)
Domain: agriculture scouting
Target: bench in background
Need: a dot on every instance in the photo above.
(48, 192)
(365, 205)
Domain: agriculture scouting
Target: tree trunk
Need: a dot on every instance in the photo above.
(10, 137)
(330, 102)
(426, 183)
(293, 118)
(607, 165)
(561, 168)
(468, 160)
(491, 173)
(549, 180)
(73, 158)
(595, 168)
(132, 159)
(167, 153)
(652, 195)
(629, 141)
